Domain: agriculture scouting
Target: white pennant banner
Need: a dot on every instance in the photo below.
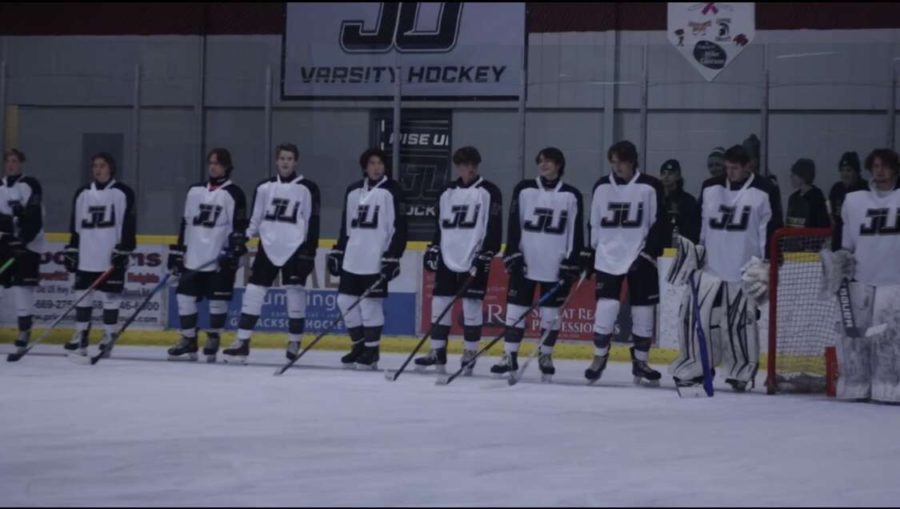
(711, 34)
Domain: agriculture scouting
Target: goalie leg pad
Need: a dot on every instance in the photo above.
(855, 354)
(740, 350)
(689, 257)
(886, 346)
(688, 364)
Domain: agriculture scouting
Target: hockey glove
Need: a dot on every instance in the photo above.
(515, 264)
(432, 258)
(237, 244)
(755, 279)
(304, 265)
(17, 209)
(642, 258)
(482, 263)
(16, 248)
(175, 263)
(119, 258)
(70, 258)
(586, 258)
(836, 266)
(334, 261)
(390, 267)
(569, 271)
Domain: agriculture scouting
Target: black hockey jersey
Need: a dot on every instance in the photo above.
(21, 208)
(103, 217)
(373, 224)
(286, 217)
(211, 213)
(626, 218)
(469, 219)
(737, 223)
(546, 226)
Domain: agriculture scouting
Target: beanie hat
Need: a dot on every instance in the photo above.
(671, 165)
(805, 169)
(850, 159)
(718, 152)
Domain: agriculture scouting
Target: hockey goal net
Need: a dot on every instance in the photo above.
(801, 324)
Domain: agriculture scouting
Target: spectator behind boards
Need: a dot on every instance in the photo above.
(806, 205)
(681, 209)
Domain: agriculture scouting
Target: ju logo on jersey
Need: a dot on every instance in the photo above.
(460, 217)
(208, 216)
(366, 217)
(877, 222)
(278, 211)
(97, 217)
(619, 214)
(726, 219)
(543, 221)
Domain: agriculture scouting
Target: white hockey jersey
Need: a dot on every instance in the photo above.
(737, 222)
(285, 216)
(469, 220)
(626, 218)
(211, 213)
(546, 226)
(871, 231)
(373, 225)
(20, 200)
(103, 217)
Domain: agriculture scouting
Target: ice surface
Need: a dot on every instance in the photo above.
(139, 433)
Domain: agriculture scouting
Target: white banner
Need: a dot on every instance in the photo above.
(55, 294)
(436, 49)
(711, 34)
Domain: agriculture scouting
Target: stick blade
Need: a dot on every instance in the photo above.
(512, 380)
(442, 380)
(13, 357)
(79, 359)
(390, 376)
(280, 371)
(693, 391)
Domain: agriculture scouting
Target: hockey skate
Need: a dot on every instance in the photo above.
(509, 362)
(545, 363)
(185, 349)
(368, 359)
(690, 388)
(738, 385)
(78, 344)
(21, 342)
(595, 370)
(349, 360)
(211, 348)
(468, 356)
(106, 344)
(237, 353)
(437, 357)
(293, 349)
(643, 373)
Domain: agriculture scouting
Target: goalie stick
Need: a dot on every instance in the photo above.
(848, 320)
(693, 391)
(392, 376)
(446, 379)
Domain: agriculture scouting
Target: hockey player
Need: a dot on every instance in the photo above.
(102, 227)
(285, 216)
(368, 250)
(544, 238)
(467, 235)
(21, 238)
(212, 228)
(869, 235)
(737, 221)
(626, 228)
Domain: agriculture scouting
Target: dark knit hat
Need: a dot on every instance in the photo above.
(805, 169)
(850, 159)
(671, 165)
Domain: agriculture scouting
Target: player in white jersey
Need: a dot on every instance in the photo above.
(737, 222)
(212, 228)
(868, 234)
(21, 238)
(103, 224)
(626, 235)
(371, 242)
(285, 216)
(467, 235)
(544, 239)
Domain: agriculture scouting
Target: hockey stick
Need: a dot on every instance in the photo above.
(848, 320)
(104, 348)
(516, 376)
(7, 264)
(446, 379)
(281, 370)
(15, 356)
(704, 353)
(392, 376)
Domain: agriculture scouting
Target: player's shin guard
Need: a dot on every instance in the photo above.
(886, 345)
(111, 304)
(296, 309)
(740, 353)
(79, 342)
(687, 368)
(24, 297)
(218, 317)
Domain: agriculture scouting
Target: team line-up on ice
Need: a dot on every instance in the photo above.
(721, 242)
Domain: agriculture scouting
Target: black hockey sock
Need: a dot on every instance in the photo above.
(356, 334)
(25, 323)
(83, 314)
(188, 323)
(296, 325)
(513, 335)
(217, 321)
(471, 335)
(110, 316)
(551, 338)
(372, 335)
(246, 322)
(641, 347)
